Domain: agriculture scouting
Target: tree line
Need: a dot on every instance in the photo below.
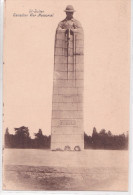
(99, 140)
(105, 140)
(22, 139)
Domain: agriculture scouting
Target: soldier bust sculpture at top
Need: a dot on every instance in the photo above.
(69, 22)
(67, 131)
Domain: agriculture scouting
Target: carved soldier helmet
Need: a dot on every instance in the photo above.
(69, 8)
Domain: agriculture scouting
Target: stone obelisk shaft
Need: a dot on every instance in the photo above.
(67, 103)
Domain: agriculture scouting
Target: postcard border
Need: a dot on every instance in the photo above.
(131, 124)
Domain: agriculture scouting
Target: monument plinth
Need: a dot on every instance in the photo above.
(67, 104)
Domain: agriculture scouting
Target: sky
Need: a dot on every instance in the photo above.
(29, 63)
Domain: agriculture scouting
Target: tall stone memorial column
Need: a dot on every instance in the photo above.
(67, 131)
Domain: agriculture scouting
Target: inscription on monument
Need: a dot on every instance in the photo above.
(68, 122)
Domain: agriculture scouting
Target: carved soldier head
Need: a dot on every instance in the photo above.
(69, 12)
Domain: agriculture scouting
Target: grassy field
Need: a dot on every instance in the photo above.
(32, 169)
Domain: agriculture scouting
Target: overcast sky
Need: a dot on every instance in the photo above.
(29, 63)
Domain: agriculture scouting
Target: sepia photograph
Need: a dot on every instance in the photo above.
(66, 95)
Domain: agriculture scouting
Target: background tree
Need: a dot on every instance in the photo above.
(95, 138)
(87, 141)
(22, 137)
(7, 138)
(39, 139)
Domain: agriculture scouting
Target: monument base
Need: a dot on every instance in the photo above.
(67, 142)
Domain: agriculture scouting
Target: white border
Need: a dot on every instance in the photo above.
(131, 109)
(1, 85)
(130, 192)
